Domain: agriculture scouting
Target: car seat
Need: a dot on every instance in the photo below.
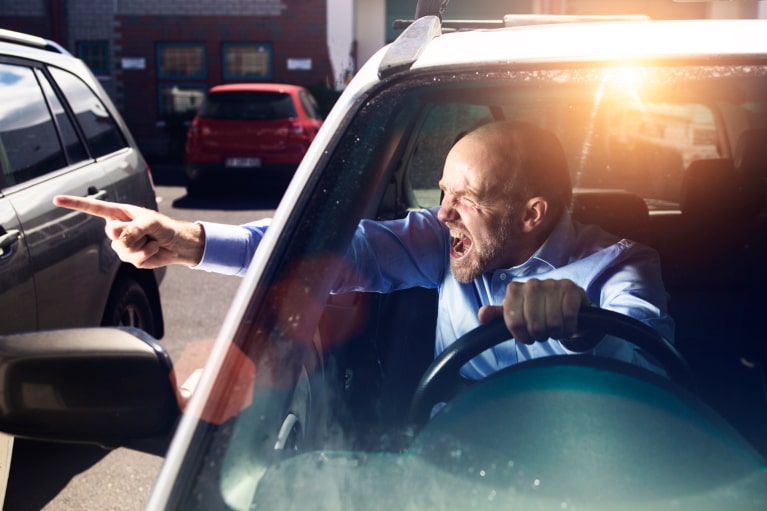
(713, 266)
(751, 152)
(719, 218)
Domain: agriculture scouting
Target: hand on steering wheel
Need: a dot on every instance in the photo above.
(441, 380)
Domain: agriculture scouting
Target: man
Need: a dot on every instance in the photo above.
(502, 243)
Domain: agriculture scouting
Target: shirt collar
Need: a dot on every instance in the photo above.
(554, 252)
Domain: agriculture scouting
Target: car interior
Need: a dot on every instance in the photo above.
(702, 208)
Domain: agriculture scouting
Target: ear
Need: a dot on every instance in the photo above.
(534, 213)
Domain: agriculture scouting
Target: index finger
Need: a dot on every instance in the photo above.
(95, 207)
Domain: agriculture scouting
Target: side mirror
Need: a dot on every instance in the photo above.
(109, 386)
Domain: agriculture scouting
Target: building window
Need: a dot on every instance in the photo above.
(181, 61)
(247, 61)
(180, 99)
(95, 54)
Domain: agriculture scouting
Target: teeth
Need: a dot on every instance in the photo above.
(458, 245)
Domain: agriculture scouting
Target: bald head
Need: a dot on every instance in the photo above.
(526, 160)
(504, 187)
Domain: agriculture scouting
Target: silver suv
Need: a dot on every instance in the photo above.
(61, 134)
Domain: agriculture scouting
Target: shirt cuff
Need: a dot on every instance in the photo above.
(226, 249)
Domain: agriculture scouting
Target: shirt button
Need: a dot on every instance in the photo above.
(502, 276)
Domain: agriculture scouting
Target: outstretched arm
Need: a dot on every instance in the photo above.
(143, 237)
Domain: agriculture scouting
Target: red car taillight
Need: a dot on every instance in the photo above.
(192, 136)
(194, 130)
(296, 130)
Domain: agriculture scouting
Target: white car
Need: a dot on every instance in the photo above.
(317, 401)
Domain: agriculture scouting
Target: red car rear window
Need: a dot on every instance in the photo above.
(248, 106)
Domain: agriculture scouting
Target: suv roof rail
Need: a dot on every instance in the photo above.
(408, 46)
(455, 24)
(429, 23)
(518, 20)
(33, 41)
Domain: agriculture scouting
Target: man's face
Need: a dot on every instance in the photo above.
(477, 208)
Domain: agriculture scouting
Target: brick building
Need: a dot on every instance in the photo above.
(156, 58)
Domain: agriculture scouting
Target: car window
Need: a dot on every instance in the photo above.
(248, 106)
(101, 130)
(628, 129)
(441, 125)
(310, 105)
(28, 138)
(73, 145)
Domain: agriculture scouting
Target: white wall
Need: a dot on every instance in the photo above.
(340, 28)
(370, 29)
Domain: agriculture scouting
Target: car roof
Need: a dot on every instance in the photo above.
(11, 45)
(35, 53)
(595, 41)
(256, 87)
(31, 41)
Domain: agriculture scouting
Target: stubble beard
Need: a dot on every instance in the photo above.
(484, 251)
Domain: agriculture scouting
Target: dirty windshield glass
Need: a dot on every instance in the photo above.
(325, 424)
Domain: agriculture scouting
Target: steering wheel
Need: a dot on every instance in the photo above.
(441, 381)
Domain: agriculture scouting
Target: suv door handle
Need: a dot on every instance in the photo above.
(8, 238)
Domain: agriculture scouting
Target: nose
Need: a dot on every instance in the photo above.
(447, 209)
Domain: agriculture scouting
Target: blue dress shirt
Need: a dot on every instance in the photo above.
(618, 274)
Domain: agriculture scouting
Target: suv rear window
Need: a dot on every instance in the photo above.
(25, 123)
(101, 130)
(253, 106)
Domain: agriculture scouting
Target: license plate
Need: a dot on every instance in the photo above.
(243, 162)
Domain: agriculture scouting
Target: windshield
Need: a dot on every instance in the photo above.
(318, 385)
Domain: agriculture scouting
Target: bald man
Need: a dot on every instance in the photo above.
(502, 243)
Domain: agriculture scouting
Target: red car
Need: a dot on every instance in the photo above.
(251, 130)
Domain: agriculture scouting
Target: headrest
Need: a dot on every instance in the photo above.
(713, 190)
(618, 212)
(751, 152)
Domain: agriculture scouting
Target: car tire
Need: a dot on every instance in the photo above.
(129, 306)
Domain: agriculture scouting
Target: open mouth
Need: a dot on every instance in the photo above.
(460, 245)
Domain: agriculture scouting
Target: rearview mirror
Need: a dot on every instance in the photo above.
(109, 386)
